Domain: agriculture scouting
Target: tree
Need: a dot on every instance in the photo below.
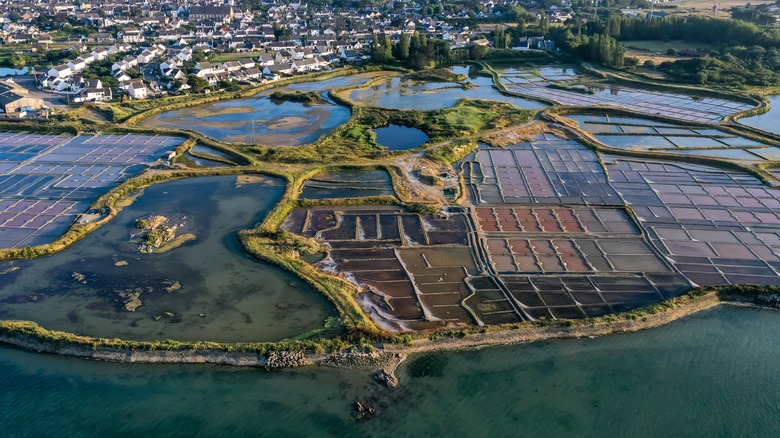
(402, 47)
(109, 82)
(198, 56)
(17, 61)
(388, 48)
(477, 52)
(197, 83)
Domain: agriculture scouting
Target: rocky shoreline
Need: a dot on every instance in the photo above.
(383, 362)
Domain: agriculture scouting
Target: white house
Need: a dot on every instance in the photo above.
(118, 48)
(184, 54)
(121, 76)
(264, 61)
(231, 66)
(146, 57)
(207, 68)
(137, 89)
(93, 91)
(246, 63)
(77, 64)
(131, 36)
(304, 65)
(169, 64)
(277, 69)
(99, 54)
(60, 71)
(56, 84)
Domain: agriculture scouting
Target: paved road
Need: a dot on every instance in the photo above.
(51, 100)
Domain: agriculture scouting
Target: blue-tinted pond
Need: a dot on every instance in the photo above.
(769, 121)
(399, 138)
(404, 93)
(260, 120)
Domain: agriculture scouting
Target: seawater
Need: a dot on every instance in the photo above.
(712, 374)
(224, 296)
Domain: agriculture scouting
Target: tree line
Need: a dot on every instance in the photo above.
(415, 51)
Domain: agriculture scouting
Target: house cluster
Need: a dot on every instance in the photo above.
(277, 39)
(68, 77)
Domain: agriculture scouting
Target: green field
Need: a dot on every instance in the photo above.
(224, 57)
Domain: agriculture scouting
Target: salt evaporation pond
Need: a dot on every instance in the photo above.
(769, 121)
(400, 138)
(260, 120)
(348, 183)
(224, 295)
(712, 374)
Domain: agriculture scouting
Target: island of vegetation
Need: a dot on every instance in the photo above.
(437, 75)
(157, 235)
(306, 98)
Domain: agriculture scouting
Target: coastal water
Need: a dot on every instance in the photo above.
(207, 289)
(712, 374)
(767, 121)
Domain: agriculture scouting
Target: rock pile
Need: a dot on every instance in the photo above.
(768, 300)
(285, 359)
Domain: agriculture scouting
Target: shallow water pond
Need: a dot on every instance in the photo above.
(260, 120)
(256, 120)
(767, 121)
(403, 93)
(207, 289)
(400, 138)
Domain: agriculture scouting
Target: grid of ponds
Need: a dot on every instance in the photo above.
(642, 134)
(46, 180)
(566, 247)
(351, 183)
(591, 220)
(416, 265)
(566, 262)
(510, 298)
(717, 227)
(546, 170)
(535, 83)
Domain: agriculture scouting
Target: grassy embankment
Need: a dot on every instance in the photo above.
(30, 335)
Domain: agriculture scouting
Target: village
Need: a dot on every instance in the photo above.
(140, 50)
